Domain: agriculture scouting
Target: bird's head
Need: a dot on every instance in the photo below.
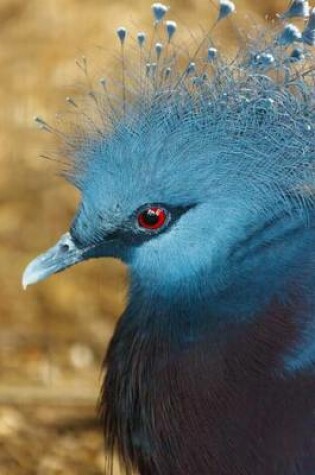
(203, 181)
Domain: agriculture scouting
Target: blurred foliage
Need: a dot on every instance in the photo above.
(54, 335)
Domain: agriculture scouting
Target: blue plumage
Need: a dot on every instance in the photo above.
(201, 178)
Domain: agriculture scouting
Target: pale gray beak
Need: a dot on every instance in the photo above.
(64, 254)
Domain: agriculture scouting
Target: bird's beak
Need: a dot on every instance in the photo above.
(64, 254)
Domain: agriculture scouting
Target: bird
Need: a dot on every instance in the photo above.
(198, 172)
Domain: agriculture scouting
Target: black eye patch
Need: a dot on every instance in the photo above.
(131, 233)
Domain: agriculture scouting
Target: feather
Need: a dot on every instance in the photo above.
(211, 367)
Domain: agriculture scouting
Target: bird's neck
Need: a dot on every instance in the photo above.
(184, 313)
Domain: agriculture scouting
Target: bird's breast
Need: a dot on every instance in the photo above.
(220, 405)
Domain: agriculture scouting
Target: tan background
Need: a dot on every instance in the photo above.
(54, 335)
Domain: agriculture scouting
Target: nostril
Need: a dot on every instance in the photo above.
(64, 248)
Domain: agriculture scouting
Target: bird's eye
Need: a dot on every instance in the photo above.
(152, 218)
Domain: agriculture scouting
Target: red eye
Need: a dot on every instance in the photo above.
(152, 218)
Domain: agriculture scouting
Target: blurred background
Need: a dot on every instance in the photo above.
(53, 337)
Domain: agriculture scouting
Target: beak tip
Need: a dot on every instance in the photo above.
(33, 273)
(24, 282)
(27, 278)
